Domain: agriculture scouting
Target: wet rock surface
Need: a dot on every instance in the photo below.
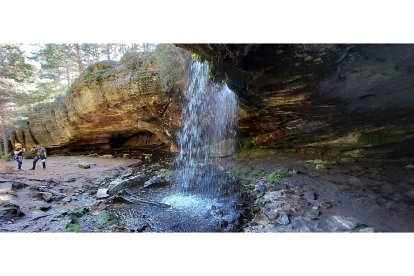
(286, 195)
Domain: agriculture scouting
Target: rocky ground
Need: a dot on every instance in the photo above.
(105, 194)
(277, 194)
(313, 195)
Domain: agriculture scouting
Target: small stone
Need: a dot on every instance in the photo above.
(260, 187)
(67, 199)
(409, 166)
(107, 156)
(320, 166)
(83, 165)
(46, 196)
(155, 181)
(256, 209)
(283, 218)
(309, 195)
(262, 219)
(340, 223)
(102, 193)
(326, 205)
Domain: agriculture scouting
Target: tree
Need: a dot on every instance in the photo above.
(79, 57)
(13, 70)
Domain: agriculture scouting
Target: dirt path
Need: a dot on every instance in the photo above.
(64, 168)
(63, 179)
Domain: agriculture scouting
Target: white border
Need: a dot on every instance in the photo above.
(230, 21)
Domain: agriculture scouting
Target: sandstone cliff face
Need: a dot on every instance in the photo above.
(334, 100)
(109, 107)
(331, 100)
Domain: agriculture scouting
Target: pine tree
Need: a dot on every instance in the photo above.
(13, 70)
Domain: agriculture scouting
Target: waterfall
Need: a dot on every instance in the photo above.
(207, 137)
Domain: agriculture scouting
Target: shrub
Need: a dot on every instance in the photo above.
(277, 175)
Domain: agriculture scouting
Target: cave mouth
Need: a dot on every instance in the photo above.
(117, 143)
(142, 140)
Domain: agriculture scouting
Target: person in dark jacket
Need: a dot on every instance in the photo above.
(40, 155)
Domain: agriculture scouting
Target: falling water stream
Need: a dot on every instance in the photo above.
(206, 142)
(207, 135)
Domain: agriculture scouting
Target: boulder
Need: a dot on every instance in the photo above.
(18, 185)
(102, 193)
(156, 181)
(109, 106)
(119, 184)
(283, 218)
(10, 211)
(46, 196)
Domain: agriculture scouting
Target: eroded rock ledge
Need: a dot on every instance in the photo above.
(333, 100)
(109, 107)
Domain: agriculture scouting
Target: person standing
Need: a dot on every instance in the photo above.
(18, 154)
(40, 155)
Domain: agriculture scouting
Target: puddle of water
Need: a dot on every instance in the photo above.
(190, 203)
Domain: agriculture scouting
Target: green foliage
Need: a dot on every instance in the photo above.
(13, 64)
(278, 175)
(246, 143)
(244, 170)
(259, 172)
(105, 216)
(134, 60)
(73, 227)
(196, 57)
(98, 75)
